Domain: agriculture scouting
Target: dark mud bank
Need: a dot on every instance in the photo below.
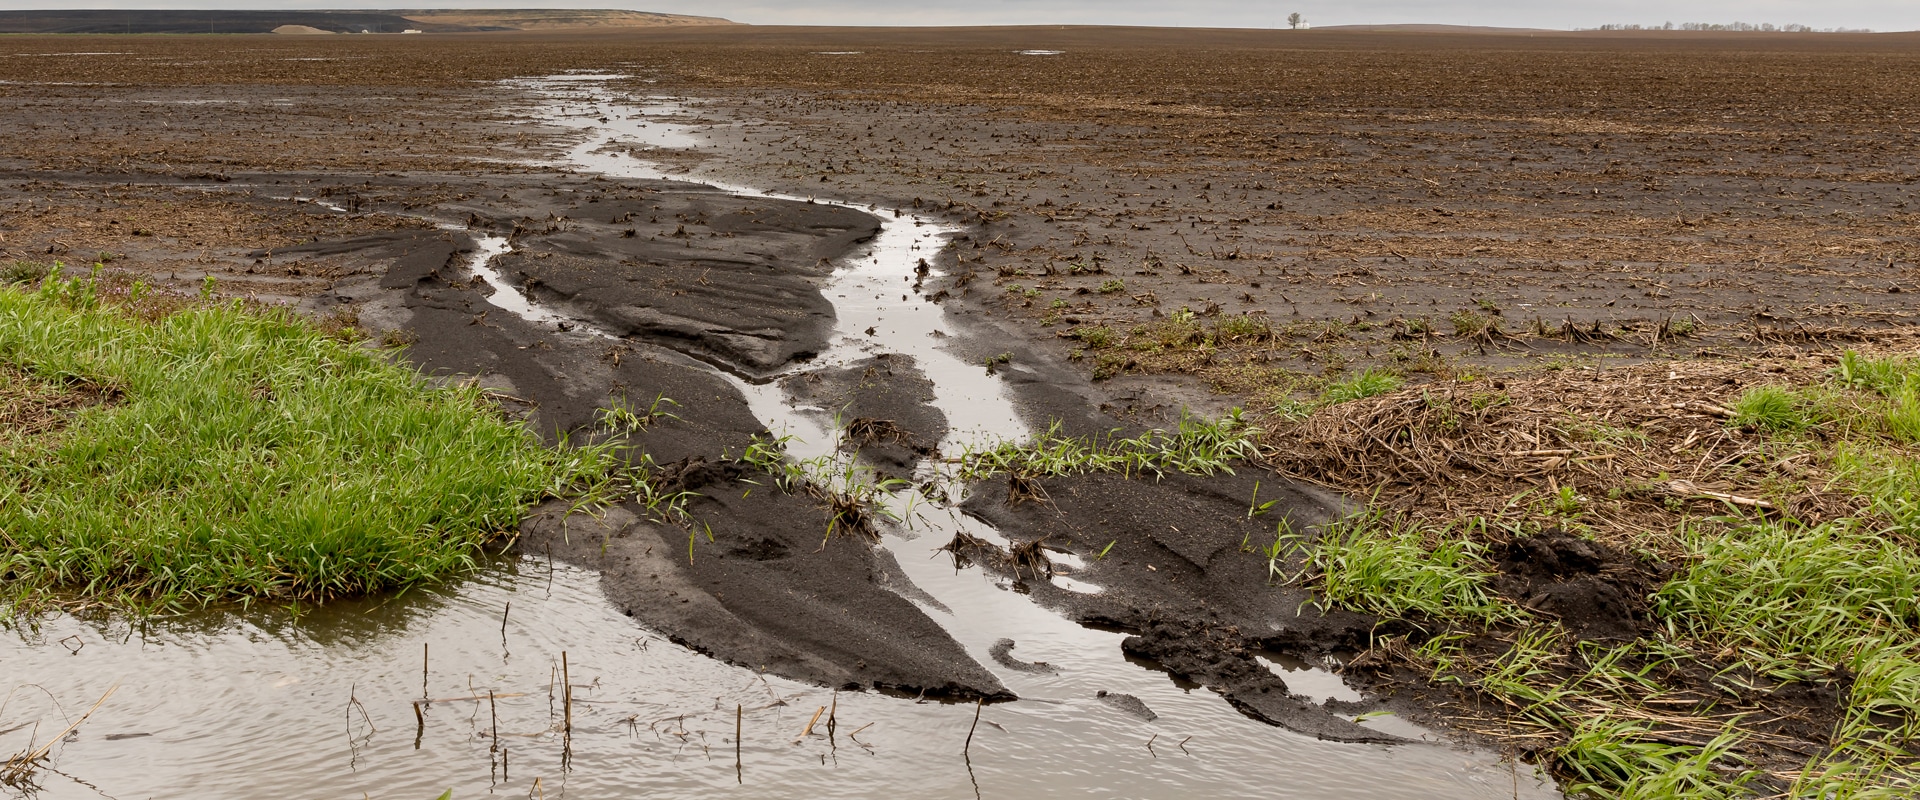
(755, 582)
(1179, 562)
(670, 290)
(750, 575)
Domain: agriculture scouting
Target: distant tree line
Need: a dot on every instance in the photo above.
(1767, 27)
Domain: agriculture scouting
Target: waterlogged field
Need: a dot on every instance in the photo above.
(1607, 336)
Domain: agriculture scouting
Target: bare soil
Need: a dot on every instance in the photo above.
(1489, 216)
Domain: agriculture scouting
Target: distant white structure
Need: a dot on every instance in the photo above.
(411, 30)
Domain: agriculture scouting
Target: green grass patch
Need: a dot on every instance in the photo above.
(250, 455)
(1375, 564)
(1775, 409)
(1360, 385)
(1097, 337)
(1243, 328)
(18, 272)
(1775, 602)
(1795, 599)
(1196, 447)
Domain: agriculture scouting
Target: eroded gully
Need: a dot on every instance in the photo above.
(322, 703)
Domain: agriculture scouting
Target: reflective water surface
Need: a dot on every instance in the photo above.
(321, 705)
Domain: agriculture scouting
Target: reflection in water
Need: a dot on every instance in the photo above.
(235, 706)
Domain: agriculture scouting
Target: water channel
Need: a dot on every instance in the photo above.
(322, 702)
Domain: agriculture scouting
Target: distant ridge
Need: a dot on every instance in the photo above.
(424, 21)
(546, 19)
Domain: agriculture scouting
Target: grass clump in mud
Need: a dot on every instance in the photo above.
(1373, 565)
(245, 454)
(1716, 593)
(854, 497)
(1360, 385)
(1711, 698)
(1196, 446)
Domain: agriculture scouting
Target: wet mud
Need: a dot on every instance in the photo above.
(1596, 591)
(732, 281)
(1128, 703)
(885, 405)
(1002, 653)
(1223, 665)
(758, 582)
(1182, 563)
(766, 592)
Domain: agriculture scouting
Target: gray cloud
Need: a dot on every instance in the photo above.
(1876, 14)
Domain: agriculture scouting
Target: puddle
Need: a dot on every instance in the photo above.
(586, 76)
(505, 296)
(1315, 682)
(1040, 52)
(222, 707)
(227, 705)
(1077, 587)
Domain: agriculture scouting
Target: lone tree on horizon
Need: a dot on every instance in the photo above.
(1294, 20)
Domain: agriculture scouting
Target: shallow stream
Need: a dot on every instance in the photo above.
(322, 703)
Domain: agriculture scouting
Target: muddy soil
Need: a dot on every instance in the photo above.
(758, 583)
(1399, 184)
(1443, 205)
(1751, 186)
(1180, 561)
(885, 403)
(1596, 591)
(766, 592)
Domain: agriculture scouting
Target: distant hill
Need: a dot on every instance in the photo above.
(547, 19)
(425, 21)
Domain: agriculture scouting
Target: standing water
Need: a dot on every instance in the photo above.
(324, 701)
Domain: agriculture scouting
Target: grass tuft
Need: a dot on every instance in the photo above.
(1773, 408)
(1360, 385)
(1373, 563)
(1196, 447)
(19, 272)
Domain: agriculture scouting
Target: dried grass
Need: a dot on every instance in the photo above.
(1639, 447)
(31, 407)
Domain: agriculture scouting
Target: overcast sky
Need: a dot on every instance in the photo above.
(1882, 15)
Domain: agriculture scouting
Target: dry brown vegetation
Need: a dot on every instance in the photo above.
(32, 407)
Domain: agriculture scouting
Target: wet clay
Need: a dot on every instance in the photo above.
(1595, 590)
(1179, 561)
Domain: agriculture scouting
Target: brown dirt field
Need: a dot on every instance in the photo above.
(1530, 230)
(1345, 187)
